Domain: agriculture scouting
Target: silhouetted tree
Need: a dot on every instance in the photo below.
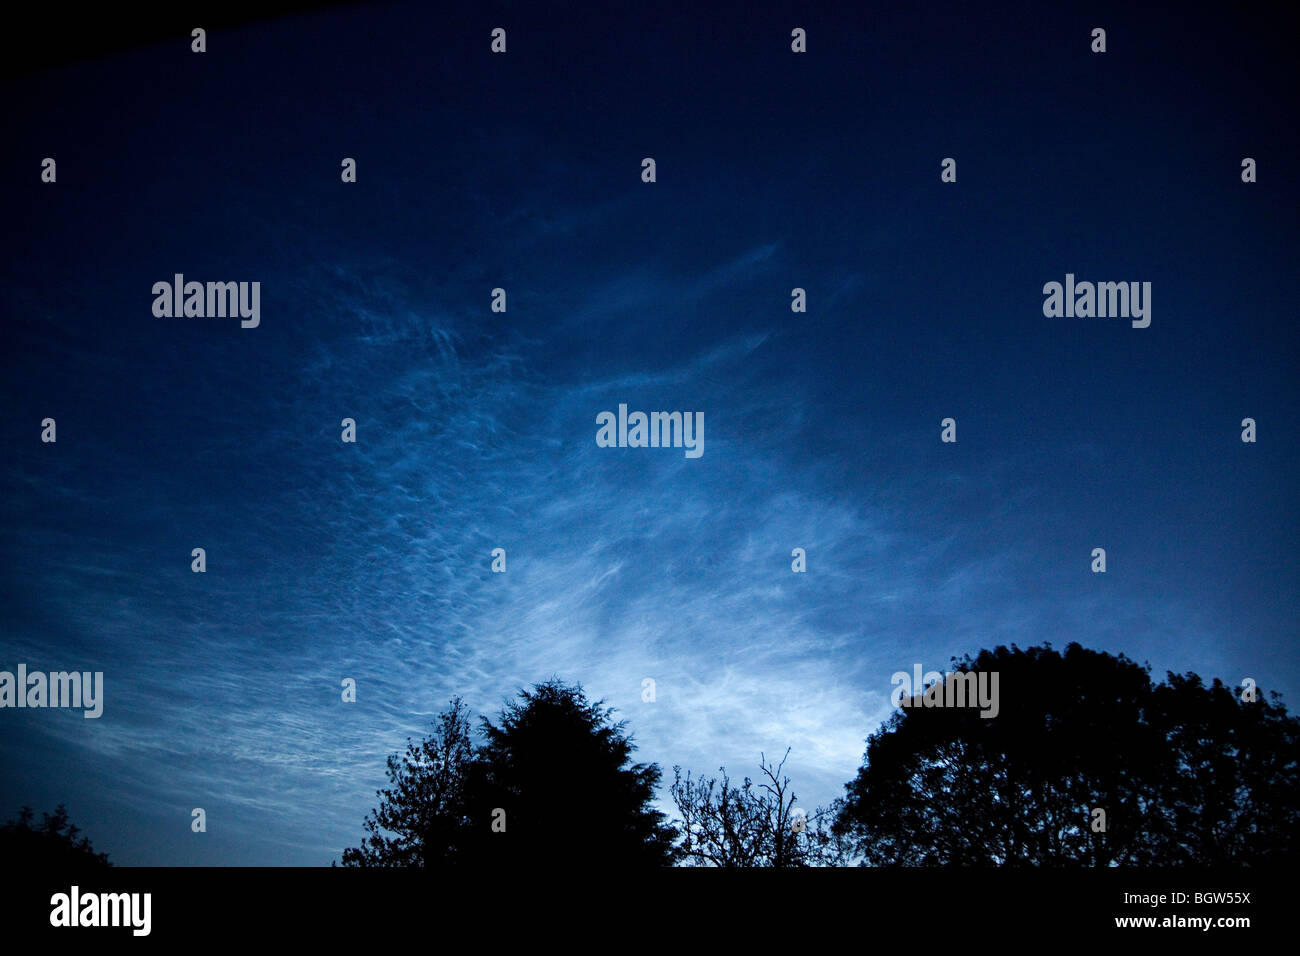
(1185, 774)
(1231, 793)
(53, 843)
(422, 818)
(557, 774)
(552, 784)
(728, 826)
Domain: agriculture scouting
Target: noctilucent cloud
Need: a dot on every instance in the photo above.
(477, 429)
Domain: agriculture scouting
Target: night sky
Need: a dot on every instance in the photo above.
(476, 429)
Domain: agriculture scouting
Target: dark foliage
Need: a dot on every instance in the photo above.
(1186, 774)
(552, 785)
(747, 826)
(51, 844)
(423, 816)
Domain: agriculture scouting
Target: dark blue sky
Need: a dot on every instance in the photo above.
(477, 430)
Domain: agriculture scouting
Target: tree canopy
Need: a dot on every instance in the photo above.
(1183, 773)
(552, 783)
(729, 826)
(1082, 761)
(51, 843)
(423, 817)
